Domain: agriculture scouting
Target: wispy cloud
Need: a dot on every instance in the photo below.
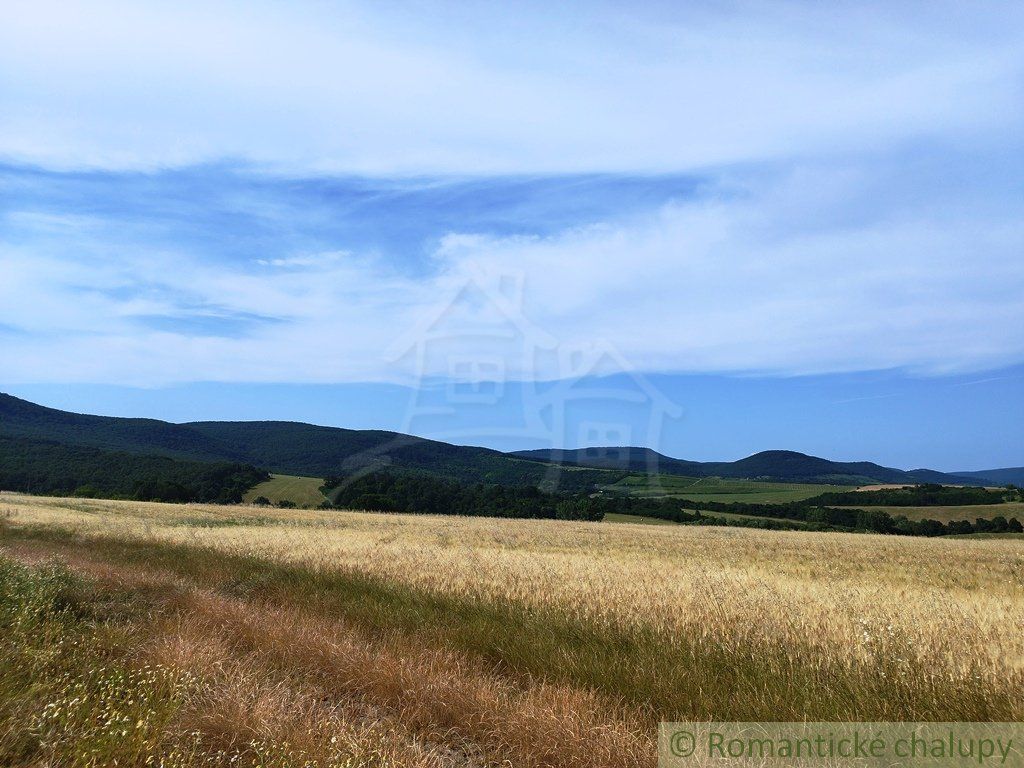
(308, 260)
(276, 192)
(780, 270)
(986, 380)
(866, 397)
(439, 87)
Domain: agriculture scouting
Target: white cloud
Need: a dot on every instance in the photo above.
(701, 288)
(457, 88)
(306, 260)
(839, 229)
(787, 273)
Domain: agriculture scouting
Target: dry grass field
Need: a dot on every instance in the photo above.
(154, 634)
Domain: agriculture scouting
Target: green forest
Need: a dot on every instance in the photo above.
(406, 492)
(43, 467)
(925, 495)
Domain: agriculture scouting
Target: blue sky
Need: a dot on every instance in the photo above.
(801, 224)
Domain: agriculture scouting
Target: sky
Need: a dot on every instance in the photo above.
(709, 228)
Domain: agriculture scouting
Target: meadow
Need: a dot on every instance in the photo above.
(721, 489)
(239, 635)
(956, 512)
(301, 491)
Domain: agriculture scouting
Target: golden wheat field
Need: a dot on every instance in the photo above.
(300, 637)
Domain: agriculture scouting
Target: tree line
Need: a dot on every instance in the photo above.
(925, 495)
(817, 517)
(409, 492)
(47, 468)
(405, 492)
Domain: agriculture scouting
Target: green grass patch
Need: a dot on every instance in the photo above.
(969, 512)
(651, 486)
(720, 489)
(302, 491)
(754, 491)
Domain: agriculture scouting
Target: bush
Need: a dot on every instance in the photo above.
(578, 509)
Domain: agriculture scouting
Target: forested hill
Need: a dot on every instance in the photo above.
(631, 459)
(789, 466)
(20, 418)
(306, 449)
(296, 448)
(284, 447)
(46, 467)
(1003, 476)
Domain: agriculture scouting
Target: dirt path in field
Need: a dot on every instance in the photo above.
(277, 674)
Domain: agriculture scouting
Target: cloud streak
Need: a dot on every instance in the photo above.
(785, 270)
(357, 87)
(266, 192)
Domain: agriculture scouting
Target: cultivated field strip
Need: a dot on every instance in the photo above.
(594, 631)
(275, 683)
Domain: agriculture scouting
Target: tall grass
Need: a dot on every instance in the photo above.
(732, 670)
(467, 632)
(105, 674)
(64, 697)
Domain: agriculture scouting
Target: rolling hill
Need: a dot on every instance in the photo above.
(1002, 476)
(289, 448)
(630, 459)
(20, 418)
(294, 448)
(786, 466)
(305, 449)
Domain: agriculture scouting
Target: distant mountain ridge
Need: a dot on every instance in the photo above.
(20, 418)
(277, 446)
(1002, 476)
(318, 451)
(776, 465)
